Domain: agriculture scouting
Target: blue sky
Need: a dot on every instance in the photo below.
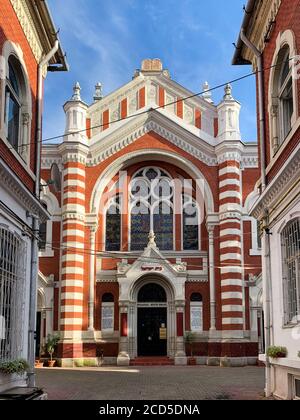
(106, 40)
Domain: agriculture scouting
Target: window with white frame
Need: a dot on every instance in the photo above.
(196, 312)
(12, 278)
(16, 115)
(285, 95)
(13, 102)
(282, 98)
(290, 243)
(107, 313)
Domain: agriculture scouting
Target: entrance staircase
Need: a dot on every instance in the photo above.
(152, 361)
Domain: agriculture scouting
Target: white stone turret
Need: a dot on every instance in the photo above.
(75, 110)
(228, 115)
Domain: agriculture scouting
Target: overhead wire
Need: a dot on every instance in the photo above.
(238, 79)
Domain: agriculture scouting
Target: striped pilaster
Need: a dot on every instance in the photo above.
(231, 246)
(73, 239)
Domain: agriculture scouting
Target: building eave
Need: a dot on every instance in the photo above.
(238, 58)
(49, 34)
(287, 179)
(15, 186)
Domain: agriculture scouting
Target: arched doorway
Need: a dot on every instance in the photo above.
(151, 296)
(152, 320)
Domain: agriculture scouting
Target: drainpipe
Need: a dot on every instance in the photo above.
(35, 222)
(266, 236)
(268, 303)
(262, 128)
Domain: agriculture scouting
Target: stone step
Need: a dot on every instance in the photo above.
(152, 361)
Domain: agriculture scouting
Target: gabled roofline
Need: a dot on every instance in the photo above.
(165, 82)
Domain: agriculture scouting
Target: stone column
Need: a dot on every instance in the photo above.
(180, 355)
(229, 152)
(73, 150)
(212, 285)
(231, 250)
(123, 356)
(92, 278)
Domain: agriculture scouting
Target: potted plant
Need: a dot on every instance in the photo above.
(38, 363)
(18, 367)
(189, 339)
(224, 362)
(276, 352)
(51, 344)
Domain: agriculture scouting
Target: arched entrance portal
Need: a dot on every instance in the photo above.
(151, 317)
(152, 320)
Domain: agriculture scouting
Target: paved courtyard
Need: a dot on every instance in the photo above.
(156, 383)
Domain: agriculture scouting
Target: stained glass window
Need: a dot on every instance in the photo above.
(151, 195)
(113, 227)
(140, 226)
(190, 221)
(163, 226)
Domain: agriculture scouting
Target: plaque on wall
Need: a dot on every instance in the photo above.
(107, 318)
(196, 318)
(162, 333)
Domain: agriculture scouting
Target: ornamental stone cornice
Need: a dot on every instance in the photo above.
(74, 216)
(29, 28)
(283, 181)
(229, 150)
(112, 141)
(18, 190)
(196, 278)
(73, 152)
(143, 124)
(259, 25)
(230, 215)
(47, 162)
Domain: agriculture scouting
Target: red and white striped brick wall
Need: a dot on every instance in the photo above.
(231, 245)
(73, 238)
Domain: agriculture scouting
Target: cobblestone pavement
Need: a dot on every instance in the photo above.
(156, 383)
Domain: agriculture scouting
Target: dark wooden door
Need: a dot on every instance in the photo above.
(150, 320)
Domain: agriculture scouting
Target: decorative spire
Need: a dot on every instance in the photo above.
(151, 238)
(76, 92)
(228, 92)
(98, 92)
(207, 95)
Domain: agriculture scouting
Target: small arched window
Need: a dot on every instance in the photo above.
(196, 312)
(108, 297)
(107, 312)
(13, 102)
(196, 297)
(190, 222)
(113, 226)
